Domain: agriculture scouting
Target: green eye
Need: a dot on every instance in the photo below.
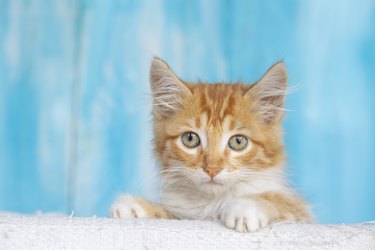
(190, 139)
(238, 142)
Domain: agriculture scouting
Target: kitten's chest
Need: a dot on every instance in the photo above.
(190, 206)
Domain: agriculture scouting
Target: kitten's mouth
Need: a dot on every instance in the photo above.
(213, 182)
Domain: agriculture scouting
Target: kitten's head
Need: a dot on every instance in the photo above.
(213, 136)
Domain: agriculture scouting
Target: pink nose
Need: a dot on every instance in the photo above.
(212, 171)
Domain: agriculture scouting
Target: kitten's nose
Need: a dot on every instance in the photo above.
(212, 171)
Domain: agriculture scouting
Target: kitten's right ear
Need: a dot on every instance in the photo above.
(167, 89)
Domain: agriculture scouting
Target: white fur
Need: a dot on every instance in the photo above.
(243, 215)
(127, 207)
(202, 130)
(224, 141)
(194, 198)
(203, 137)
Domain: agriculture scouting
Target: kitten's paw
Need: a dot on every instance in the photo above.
(244, 216)
(126, 206)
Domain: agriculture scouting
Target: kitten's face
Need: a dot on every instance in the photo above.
(213, 136)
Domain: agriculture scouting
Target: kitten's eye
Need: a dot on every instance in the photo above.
(190, 139)
(238, 142)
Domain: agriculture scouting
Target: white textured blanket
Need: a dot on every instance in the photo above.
(18, 232)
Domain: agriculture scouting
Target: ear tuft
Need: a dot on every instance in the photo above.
(167, 89)
(269, 93)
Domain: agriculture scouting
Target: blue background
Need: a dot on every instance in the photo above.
(75, 103)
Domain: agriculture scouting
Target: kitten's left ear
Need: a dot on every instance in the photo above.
(269, 93)
(167, 89)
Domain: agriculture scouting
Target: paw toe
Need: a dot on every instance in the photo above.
(127, 207)
(244, 216)
(240, 225)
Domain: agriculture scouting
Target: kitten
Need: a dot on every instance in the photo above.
(221, 153)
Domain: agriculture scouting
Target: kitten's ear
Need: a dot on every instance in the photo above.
(167, 89)
(269, 93)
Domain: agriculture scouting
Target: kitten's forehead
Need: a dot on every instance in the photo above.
(228, 122)
(217, 102)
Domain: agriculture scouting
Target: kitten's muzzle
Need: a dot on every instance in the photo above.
(212, 171)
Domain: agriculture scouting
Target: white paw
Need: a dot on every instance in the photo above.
(244, 216)
(127, 207)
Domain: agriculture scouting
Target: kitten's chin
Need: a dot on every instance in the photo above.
(212, 187)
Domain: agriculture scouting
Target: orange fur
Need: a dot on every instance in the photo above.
(285, 208)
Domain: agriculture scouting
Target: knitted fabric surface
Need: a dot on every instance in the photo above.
(39, 232)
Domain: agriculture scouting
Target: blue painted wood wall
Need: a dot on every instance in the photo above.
(75, 104)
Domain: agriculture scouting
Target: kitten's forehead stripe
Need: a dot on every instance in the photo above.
(230, 106)
(198, 122)
(232, 124)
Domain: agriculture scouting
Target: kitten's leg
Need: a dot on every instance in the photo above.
(128, 206)
(248, 214)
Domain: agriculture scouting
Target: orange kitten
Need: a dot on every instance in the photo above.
(221, 153)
